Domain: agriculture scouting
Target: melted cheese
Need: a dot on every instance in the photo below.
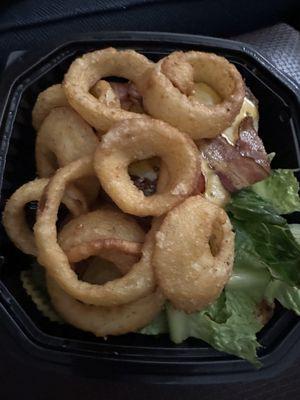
(208, 96)
(214, 190)
(248, 109)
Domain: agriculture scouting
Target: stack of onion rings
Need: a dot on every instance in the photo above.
(187, 255)
(137, 283)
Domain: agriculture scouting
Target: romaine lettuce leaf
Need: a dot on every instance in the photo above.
(267, 237)
(280, 189)
(230, 323)
(234, 332)
(248, 206)
(157, 326)
(295, 229)
(249, 273)
(288, 296)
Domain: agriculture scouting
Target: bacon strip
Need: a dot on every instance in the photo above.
(250, 145)
(241, 165)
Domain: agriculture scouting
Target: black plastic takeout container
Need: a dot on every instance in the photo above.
(133, 356)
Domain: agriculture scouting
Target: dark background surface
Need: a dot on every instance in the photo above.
(38, 25)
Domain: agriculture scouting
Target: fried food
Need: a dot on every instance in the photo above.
(54, 96)
(122, 255)
(46, 101)
(119, 95)
(107, 233)
(103, 90)
(100, 271)
(103, 321)
(139, 139)
(119, 171)
(167, 92)
(105, 223)
(129, 97)
(137, 283)
(64, 137)
(87, 70)
(193, 255)
(14, 216)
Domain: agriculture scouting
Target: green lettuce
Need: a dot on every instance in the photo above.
(157, 326)
(295, 229)
(281, 190)
(266, 267)
(288, 296)
(232, 330)
(270, 238)
(229, 325)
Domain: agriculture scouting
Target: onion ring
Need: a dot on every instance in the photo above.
(103, 90)
(54, 96)
(122, 257)
(14, 218)
(50, 98)
(165, 91)
(163, 179)
(137, 283)
(194, 253)
(105, 223)
(138, 139)
(84, 250)
(99, 271)
(64, 137)
(107, 233)
(103, 321)
(85, 71)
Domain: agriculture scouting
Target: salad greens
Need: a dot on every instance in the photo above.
(266, 268)
(281, 190)
(288, 296)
